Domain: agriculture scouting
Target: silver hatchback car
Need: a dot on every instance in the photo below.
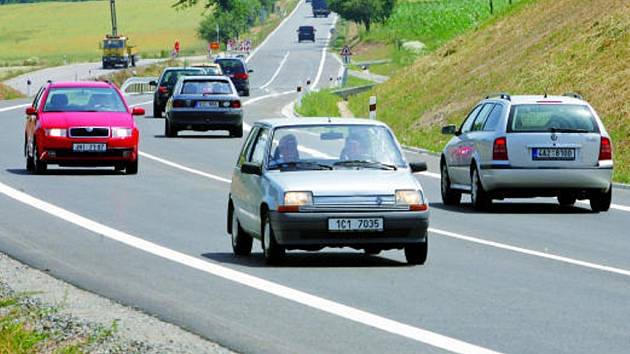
(529, 146)
(311, 183)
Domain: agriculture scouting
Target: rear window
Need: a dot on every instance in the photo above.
(206, 87)
(535, 118)
(170, 77)
(306, 29)
(231, 66)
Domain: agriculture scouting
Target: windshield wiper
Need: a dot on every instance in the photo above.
(568, 130)
(283, 166)
(365, 163)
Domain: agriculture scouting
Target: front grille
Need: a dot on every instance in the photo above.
(63, 153)
(89, 132)
(358, 203)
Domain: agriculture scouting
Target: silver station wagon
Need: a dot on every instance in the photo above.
(529, 146)
(311, 183)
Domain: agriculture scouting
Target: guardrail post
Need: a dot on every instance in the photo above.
(373, 107)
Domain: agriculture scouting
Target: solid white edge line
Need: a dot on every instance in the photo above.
(6, 109)
(249, 57)
(284, 60)
(315, 302)
(324, 52)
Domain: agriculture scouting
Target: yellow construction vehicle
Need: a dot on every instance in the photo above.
(116, 48)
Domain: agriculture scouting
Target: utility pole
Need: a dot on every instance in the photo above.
(112, 8)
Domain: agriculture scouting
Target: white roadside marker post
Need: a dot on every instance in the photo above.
(299, 100)
(373, 107)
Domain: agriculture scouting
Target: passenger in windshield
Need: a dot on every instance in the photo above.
(355, 149)
(287, 150)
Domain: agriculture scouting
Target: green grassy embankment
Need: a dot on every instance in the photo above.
(7, 93)
(557, 45)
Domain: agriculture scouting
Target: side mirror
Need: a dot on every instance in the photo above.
(450, 129)
(250, 71)
(152, 83)
(251, 169)
(420, 166)
(31, 111)
(137, 111)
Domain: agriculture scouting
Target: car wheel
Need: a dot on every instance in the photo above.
(119, 167)
(273, 252)
(132, 167)
(416, 253)
(566, 200)
(169, 130)
(39, 167)
(30, 165)
(372, 251)
(241, 241)
(157, 112)
(246, 93)
(601, 201)
(479, 197)
(449, 196)
(237, 132)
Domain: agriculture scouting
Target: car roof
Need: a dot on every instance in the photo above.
(230, 58)
(204, 77)
(309, 27)
(537, 99)
(206, 65)
(306, 121)
(173, 68)
(79, 84)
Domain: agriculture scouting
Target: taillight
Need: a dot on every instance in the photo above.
(179, 103)
(163, 89)
(499, 150)
(241, 76)
(236, 104)
(605, 149)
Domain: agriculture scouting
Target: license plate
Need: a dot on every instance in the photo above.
(553, 154)
(89, 147)
(207, 104)
(355, 224)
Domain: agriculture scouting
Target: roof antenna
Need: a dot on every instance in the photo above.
(545, 92)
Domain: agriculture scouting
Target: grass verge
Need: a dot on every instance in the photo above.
(7, 93)
(321, 103)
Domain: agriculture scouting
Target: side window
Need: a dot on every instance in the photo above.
(482, 116)
(465, 128)
(258, 154)
(247, 147)
(493, 118)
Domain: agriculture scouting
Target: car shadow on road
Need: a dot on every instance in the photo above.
(69, 172)
(309, 260)
(516, 208)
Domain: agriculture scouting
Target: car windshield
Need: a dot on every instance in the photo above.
(170, 77)
(334, 147)
(113, 43)
(530, 118)
(231, 66)
(206, 87)
(84, 99)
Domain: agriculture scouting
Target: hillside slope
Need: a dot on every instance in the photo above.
(558, 45)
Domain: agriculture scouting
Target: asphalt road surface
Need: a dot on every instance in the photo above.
(526, 277)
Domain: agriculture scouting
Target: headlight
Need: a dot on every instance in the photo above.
(57, 132)
(121, 132)
(413, 198)
(298, 198)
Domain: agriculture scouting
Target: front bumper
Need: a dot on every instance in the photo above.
(116, 60)
(309, 230)
(206, 120)
(58, 151)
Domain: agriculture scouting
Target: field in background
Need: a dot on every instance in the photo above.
(7, 93)
(48, 31)
(558, 45)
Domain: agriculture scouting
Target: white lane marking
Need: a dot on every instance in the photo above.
(6, 109)
(485, 242)
(315, 302)
(140, 104)
(184, 168)
(249, 57)
(324, 52)
(612, 206)
(288, 110)
(271, 95)
(273, 77)
(532, 252)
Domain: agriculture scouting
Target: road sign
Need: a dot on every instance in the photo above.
(346, 54)
(231, 45)
(214, 46)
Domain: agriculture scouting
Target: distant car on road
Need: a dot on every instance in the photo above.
(236, 69)
(314, 182)
(211, 69)
(82, 124)
(306, 33)
(320, 8)
(166, 83)
(203, 103)
(529, 146)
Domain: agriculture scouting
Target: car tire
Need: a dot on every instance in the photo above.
(157, 112)
(241, 241)
(246, 93)
(566, 200)
(132, 167)
(449, 196)
(416, 253)
(169, 130)
(273, 252)
(601, 201)
(479, 197)
(119, 167)
(237, 132)
(372, 251)
(39, 167)
(30, 165)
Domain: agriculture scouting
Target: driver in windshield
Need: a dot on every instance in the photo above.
(287, 150)
(354, 149)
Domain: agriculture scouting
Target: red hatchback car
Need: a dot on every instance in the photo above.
(84, 124)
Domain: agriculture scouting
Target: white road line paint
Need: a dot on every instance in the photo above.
(141, 104)
(612, 206)
(6, 109)
(531, 252)
(271, 95)
(184, 168)
(315, 302)
(324, 52)
(249, 57)
(288, 110)
(284, 60)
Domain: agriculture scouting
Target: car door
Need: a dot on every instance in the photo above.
(458, 149)
(253, 184)
(31, 122)
(238, 190)
(480, 140)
